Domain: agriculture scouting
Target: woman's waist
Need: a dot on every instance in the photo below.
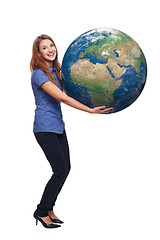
(46, 112)
(48, 108)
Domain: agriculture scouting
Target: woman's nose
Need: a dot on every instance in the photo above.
(50, 49)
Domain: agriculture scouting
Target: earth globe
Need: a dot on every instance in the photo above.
(104, 67)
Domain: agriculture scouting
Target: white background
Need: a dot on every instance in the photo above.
(112, 191)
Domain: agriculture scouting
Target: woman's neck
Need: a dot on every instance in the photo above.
(49, 64)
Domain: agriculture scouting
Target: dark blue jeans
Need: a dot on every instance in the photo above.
(56, 149)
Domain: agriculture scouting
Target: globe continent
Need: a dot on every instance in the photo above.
(104, 67)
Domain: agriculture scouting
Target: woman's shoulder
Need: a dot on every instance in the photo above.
(37, 73)
(39, 77)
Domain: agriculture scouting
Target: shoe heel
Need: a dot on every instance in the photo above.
(36, 221)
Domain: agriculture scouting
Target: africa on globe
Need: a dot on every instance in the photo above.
(104, 67)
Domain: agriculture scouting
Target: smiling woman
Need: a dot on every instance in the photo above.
(48, 127)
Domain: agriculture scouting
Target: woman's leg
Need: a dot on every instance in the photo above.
(53, 150)
(62, 138)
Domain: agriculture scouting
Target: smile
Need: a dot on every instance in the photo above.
(51, 54)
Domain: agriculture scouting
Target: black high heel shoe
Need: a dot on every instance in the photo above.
(45, 224)
(56, 220)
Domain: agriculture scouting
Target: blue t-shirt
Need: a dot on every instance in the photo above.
(48, 115)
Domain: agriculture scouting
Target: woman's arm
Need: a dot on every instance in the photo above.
(55, 92)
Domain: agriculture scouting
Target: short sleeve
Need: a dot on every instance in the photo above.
(39, 77)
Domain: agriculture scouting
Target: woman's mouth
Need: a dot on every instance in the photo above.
(51, 54)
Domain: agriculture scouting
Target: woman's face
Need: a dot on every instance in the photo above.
(48, 51)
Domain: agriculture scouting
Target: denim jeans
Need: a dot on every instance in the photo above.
(56, 149)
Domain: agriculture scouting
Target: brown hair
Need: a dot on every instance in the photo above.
(38, 62)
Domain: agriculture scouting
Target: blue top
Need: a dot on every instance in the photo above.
(48, 115)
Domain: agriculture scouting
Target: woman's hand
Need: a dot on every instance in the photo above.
(102, 109)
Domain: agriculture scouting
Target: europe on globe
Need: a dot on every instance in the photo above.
(104, 67)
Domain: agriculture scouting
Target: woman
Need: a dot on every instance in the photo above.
(48, 127)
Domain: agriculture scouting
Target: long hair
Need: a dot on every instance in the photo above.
(38, 62)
